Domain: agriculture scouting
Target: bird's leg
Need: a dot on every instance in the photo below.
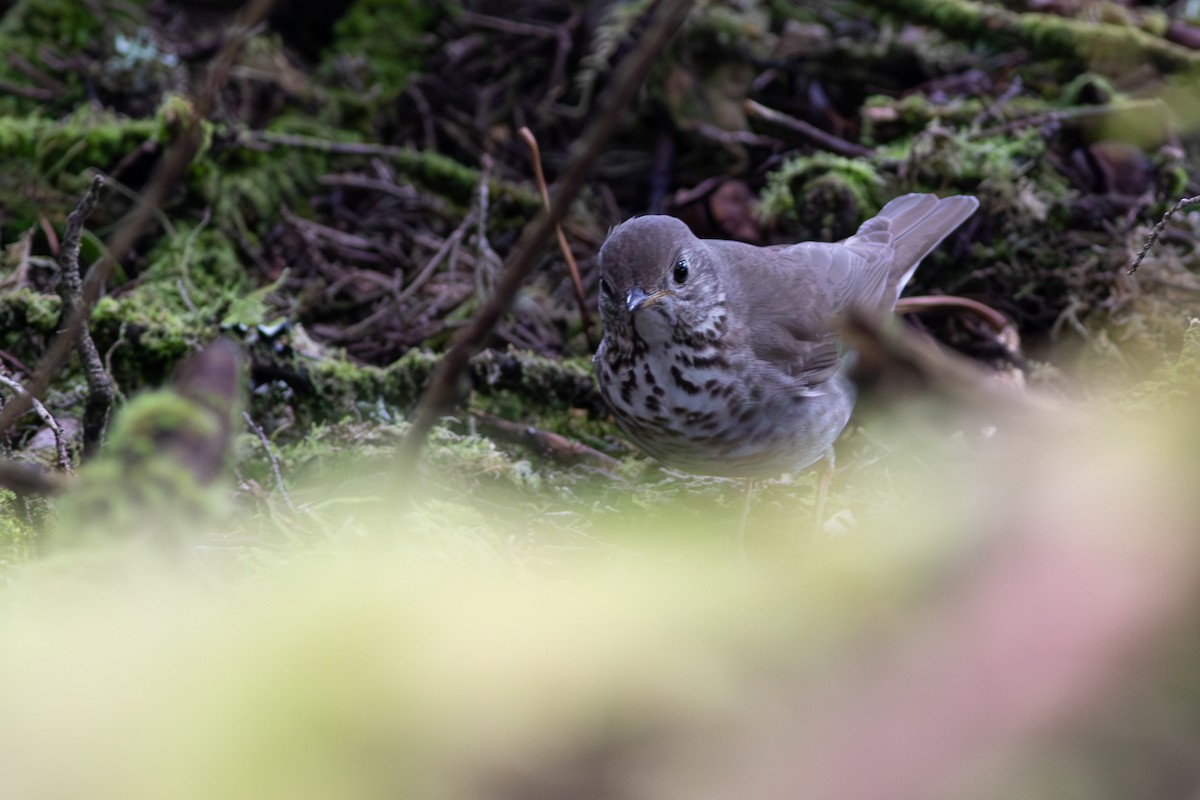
(747, 495)
(823, 481)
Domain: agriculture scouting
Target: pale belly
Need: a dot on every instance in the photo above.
(724, 419)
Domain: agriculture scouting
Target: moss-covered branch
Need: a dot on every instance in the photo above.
(1104, 47)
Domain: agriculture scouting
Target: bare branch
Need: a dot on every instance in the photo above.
(60, 438)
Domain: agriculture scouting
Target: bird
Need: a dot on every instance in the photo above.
(723, 358)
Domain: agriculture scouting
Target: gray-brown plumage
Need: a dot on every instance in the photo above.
(721, 358)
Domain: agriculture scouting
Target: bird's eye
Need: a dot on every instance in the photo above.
(680, 273)
(605, 289)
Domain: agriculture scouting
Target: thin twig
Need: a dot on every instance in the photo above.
(535, 155)
(60, 437)
(440, 394)
(824, 140)
(915, 304)
(135, 196)
(427, 271)
(185, 276)
(167, 173)
(70, 289)
(257, 430)
(489, 262)
(48, 231)
(1158, 229)
(394, 306)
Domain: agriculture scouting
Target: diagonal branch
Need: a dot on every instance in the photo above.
(669, 15)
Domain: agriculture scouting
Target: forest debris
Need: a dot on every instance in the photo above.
(718, 208)
(822, 139)
(546, 443)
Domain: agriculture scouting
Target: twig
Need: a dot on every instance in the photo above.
(546, 443)
(1158, 229)
(410, 196)
(60, 438)
(185, 276)
(394, 306)
(511, 26)
(48, 231)
(915, 304)
(33, 93)
(27, 68)
(826, 141)
(992, 110)
(427, 271)
(257, 430)
(70, 289)
(132, 194)
(489, 262)
(536, 156)
(439, 396)
(166, 175)
(108, 356)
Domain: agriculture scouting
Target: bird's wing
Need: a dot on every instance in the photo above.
(791, 295)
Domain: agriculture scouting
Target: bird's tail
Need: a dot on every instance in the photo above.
(914, 224)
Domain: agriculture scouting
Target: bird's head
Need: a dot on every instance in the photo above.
(657, 278)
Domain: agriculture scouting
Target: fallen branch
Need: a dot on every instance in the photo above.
(545, 443)
(1104, 47)
(822, 139)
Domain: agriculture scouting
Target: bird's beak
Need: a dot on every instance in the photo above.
(635, 298)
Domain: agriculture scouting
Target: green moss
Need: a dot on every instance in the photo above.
(63, 26)
(144, 340)
(44, 163)
(18, 529)
(824, 194)
(138, 489)
(1110, 48)
(197, 271)
(386, 38)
